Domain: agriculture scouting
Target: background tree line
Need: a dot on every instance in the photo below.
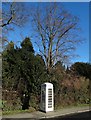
(24, 72)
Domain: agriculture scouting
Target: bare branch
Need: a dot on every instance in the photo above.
(13, 13)
(53, 26)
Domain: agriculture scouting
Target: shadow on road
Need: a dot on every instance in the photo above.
(78, 116)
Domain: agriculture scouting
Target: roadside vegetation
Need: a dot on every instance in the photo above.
(24, 72)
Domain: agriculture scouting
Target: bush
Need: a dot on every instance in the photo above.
(11, 101)
(35, 102)
(72, 91)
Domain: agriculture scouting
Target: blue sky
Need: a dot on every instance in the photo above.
(81, 10)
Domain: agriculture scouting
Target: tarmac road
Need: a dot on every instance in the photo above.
(77, 116)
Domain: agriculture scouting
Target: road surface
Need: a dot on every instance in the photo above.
(64, 112)
(77, 116)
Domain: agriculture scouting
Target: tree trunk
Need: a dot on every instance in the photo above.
(49, 63)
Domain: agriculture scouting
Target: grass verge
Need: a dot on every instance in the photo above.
(17, 111)
(32, 109)
(71, 106)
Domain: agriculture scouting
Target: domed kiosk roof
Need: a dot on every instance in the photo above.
(47, 84)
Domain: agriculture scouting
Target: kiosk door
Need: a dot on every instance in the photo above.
(43, 98)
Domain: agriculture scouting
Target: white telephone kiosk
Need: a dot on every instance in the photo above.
(47, 99)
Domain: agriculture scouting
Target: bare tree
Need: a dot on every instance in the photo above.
(14, 15)
(56, 30)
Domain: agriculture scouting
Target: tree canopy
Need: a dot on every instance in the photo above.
(56, 30)
(22, 70)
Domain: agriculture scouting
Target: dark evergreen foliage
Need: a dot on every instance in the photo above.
(82, 69)
(23, 71)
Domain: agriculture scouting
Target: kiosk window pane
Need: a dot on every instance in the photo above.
(49, 98)
(43, 98)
